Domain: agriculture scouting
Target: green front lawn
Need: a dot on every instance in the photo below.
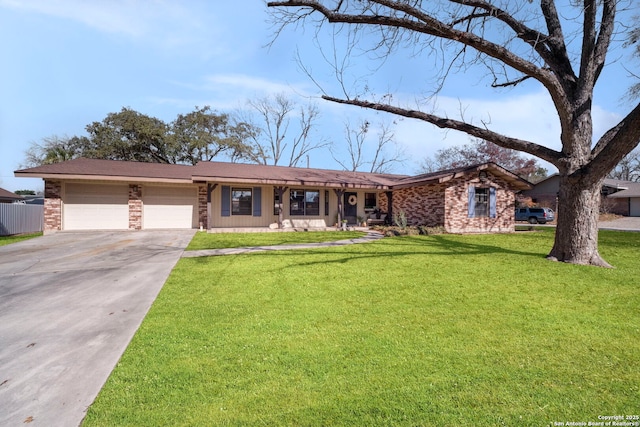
(7, 240)
(439, 330)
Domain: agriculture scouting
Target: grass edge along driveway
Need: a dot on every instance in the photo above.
(422, 330)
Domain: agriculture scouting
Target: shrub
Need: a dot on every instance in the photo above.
(400, 219)
(426, 231)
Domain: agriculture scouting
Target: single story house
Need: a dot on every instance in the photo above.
(83, 194)
(625, 200)
(7, 196)
(618, 196)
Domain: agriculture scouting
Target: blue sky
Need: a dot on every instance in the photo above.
(67, 63)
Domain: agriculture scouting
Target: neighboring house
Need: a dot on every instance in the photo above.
(619, 197)
(104, 194)
(7, 196)
(626, 199)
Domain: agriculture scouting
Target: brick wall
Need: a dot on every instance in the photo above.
(423, 205)
(446, 204)
(615, 206)
(457, 201)
(135, 207)
(52, 206)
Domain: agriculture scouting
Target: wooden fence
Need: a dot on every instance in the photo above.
(16, 218)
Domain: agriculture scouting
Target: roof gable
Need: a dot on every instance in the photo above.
(449, 174)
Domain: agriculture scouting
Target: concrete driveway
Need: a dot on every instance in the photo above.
(69, 305)
(625, 223)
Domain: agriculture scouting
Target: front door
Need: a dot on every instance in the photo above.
(350, 207)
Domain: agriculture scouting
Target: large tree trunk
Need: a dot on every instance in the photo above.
(576, 238)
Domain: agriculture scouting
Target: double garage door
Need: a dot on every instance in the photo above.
(106, 207)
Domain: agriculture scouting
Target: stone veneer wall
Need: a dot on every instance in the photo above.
(202, 206)
(135, 207)
(457, 201)
(52, 206)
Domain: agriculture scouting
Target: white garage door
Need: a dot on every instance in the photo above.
(169, 207)
(96, 207)
(634, 206)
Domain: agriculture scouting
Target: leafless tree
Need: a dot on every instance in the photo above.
(376, 153)
(52, 149)
(564, 51)
(633, 40)
(276, 141)
(628, 169)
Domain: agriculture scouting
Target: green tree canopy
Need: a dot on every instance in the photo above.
(200, 135)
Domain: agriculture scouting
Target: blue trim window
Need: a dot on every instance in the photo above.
(241, 201)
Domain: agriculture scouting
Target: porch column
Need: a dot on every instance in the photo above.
(280, 190)
(340, 194)
(52, 206)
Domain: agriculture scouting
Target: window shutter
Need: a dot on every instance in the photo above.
(226, 201)
(257, 201)
(492, 202)
(326, 202)
(472, 202)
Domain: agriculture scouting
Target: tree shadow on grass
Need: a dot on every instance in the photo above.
(437, 245)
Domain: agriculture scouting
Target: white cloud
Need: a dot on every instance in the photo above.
(246, 84)
(122, 16)
(531, 117)
(165, 24)
(603, 120)
(230, 91)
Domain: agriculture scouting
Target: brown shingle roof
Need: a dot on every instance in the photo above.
(95, 169)
(446, 175)
(266, 174)
(8, 195)
(109, 169)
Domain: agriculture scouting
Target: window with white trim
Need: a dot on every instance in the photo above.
(482, 202)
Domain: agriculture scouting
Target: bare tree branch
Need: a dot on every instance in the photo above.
(544, 153)
(508, 38)
(275, 139)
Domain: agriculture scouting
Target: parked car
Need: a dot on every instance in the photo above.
(535, 215)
